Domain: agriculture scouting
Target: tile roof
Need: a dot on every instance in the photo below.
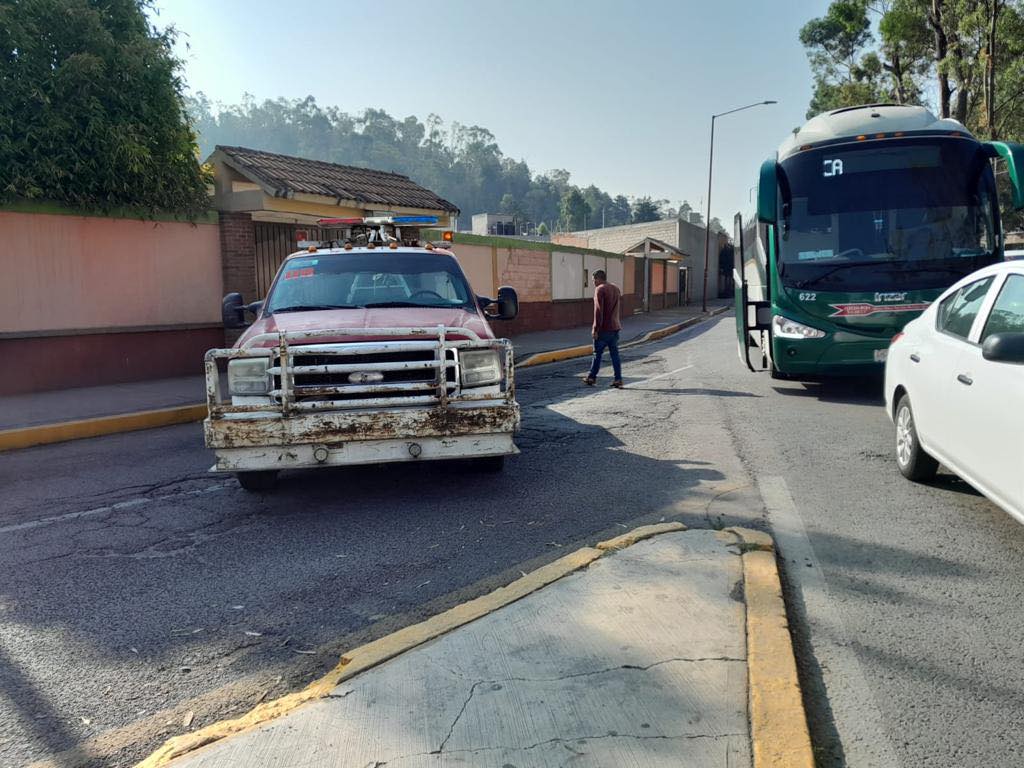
(284, 174)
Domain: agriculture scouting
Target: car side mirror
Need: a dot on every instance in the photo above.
(1004, 348)
(232, 311)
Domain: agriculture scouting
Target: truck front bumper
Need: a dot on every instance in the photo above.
(251, 442)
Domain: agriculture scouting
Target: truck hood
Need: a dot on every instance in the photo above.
(404, 317)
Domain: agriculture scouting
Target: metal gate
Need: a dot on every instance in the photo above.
(275, 242)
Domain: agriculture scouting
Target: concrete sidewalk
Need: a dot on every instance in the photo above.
(157, 397)
(637, 657)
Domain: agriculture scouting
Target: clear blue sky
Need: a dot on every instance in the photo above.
(619, 93)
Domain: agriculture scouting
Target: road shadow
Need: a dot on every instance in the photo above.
(179, 582)
(851, 391)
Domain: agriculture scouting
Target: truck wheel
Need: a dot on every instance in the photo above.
(262, 480)
(911, 458)
(488, 464)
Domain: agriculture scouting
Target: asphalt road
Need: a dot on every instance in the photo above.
(138, 593)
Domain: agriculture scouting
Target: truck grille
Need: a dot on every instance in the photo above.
(337, 378)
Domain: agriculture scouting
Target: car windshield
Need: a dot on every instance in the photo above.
(910, 215)
(360, 280)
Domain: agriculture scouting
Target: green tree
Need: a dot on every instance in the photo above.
(574, 210)
(845, 70)
(91, 108)
(645, 209)
(543, 230)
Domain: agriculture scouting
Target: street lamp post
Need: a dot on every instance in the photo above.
(707, 221)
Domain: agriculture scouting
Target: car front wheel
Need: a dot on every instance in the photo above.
(911, 458)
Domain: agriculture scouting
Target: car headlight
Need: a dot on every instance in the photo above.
(248, 376)
(480, 368)
(785, 328)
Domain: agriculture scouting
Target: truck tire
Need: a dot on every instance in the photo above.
(488, 464)
(911, 459)
(262, 480)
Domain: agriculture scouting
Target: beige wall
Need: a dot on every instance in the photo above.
(76, 273)
(477, 261)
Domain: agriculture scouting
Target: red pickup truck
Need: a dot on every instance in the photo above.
(362, 354)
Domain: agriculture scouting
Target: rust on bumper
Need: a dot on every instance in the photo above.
(334, 427)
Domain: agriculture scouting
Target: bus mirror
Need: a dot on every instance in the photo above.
(767, 193)
(1013, 154)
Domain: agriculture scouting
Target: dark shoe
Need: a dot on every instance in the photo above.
(617, 384)
(589, 381)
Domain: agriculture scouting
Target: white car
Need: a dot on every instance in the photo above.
(954, 386)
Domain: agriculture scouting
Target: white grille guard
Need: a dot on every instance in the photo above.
(440, 392)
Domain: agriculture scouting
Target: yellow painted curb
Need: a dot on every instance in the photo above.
(638, 534)
(778, 723)
(43, 434)
(556, 355)
(377, 652)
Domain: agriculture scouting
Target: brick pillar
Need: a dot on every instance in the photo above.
(238, 254)
(238, 260)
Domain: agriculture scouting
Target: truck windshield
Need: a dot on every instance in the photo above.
(360, 280)
(906, 214)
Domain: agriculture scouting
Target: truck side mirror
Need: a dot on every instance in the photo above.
(1013, 154)
(508, 303)
(232, 311)
(768, 193)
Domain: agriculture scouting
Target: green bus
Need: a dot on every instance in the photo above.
(863, 218)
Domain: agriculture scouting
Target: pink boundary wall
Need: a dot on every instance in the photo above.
(90, 300)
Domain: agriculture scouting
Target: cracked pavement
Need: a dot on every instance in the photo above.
(138, 592)
(905, 598)
(639, 660)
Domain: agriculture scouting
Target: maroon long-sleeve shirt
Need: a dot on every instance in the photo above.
(607, 298)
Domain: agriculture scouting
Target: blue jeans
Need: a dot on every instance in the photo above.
(609, 339)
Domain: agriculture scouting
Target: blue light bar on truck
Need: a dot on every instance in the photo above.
(372, 221)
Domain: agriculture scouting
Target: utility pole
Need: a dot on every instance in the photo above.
(707, 221)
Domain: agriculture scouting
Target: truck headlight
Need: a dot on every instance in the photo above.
(248, 376)
(480, 367)
(785, 328)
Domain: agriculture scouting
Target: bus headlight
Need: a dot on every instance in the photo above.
(480, 367)
(248, 376)
(785, 328)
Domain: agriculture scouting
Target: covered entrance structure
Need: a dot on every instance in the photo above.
(270, 203)
(661, 279)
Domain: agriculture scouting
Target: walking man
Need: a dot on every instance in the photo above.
(607, 298)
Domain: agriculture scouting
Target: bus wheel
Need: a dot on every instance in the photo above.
(262, 480)
(911, 458)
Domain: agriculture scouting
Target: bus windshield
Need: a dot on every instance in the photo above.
(905, 214)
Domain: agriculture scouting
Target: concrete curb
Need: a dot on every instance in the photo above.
(779, 734)
(557, 355)
(389, 646)
(778, 722)
(43, 434)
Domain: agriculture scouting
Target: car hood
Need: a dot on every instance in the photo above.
(341, 319)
